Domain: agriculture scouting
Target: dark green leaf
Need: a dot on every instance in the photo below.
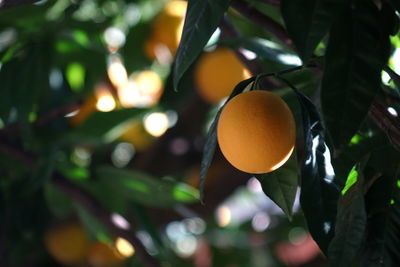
(353, 153)
(319, 195)
(211, 142)
(382, 242)
(308, 21)
(143, 188)
(352, 73)
(95, 227)
(58, 203)
(263, 48)
(281, 185)
(350, 226)
(202, 19)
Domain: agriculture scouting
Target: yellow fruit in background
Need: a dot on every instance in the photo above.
(217, 73)
(256, 132)
(167, 28)
(103, 255)
(137, 135)
(67, 244)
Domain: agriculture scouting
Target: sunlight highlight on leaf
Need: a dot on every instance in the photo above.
(351, 179)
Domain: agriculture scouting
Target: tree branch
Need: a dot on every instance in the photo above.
(263, 20)
(385, 121)
(13, 3)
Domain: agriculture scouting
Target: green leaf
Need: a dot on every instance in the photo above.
(143, 188)
(105, 124)
(351, 180)
(319, 194)
(202, 19)
(353, 154)
(263, 48)
(95, 227)
(350, 226)
(352, 73)
(22, 92)
(58, 203)
(211, 142)
(308, 21)
(381, 247)
(281, 185)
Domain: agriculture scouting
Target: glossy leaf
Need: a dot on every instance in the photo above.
(352, 73)
(143, 188)
(350, 226)
(308, 21)
(264, 49)
(281, 185)
(202, 19)
(211, 142)
(319, 195)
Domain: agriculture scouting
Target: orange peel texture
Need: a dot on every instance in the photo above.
(256, 132)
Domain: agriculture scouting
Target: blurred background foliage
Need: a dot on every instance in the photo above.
(100, 156)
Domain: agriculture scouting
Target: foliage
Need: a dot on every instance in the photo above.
(69, 92)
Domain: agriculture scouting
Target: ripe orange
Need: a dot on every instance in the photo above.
(68, 244)
(103, 255)
(256, 132)
(217, 73)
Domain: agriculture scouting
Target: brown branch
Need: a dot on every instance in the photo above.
(13, 3)
(263, 20)
(87, 201)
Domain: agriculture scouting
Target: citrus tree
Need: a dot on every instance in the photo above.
(199, 133)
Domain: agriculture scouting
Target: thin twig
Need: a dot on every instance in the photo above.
(13, 3)
(263, 20)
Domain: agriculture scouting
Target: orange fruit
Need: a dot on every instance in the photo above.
(67, 244)
(217, 73)
(103, 255)
(167, 28)
(256, 132)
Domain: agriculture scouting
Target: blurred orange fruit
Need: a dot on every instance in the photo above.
(67, 244)
(167, 29)
(256, 132)
(103, 255)
(217, 73)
